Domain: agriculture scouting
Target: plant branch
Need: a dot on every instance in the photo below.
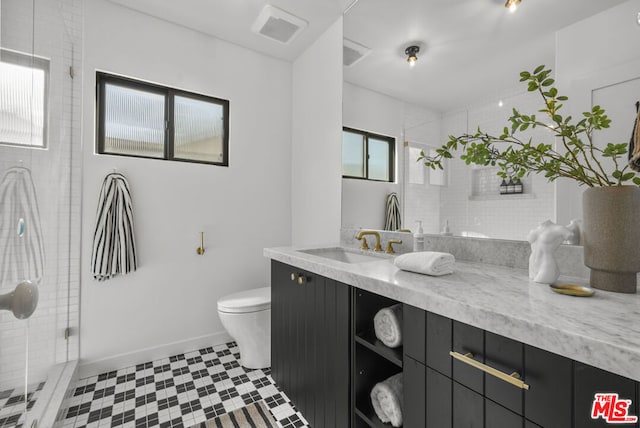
(580, 160)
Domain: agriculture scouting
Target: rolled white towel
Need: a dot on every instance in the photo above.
(387, 324)
(426, 262)
(387, 400)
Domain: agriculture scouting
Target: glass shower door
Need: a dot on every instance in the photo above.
(39, 198)
(18, 133)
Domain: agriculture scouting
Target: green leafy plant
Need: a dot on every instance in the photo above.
(577, 159)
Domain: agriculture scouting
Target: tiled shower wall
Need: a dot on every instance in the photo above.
(492, 215)
(469, 198)
(52, 29)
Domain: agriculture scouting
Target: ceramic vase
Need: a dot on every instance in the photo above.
(612, 237)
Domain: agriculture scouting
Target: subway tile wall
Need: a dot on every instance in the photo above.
(484, 215)
(52, 29)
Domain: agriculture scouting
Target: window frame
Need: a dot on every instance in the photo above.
(23, 59)
(391, 154)
(103, 78)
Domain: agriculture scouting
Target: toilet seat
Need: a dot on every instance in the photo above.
(255, 300)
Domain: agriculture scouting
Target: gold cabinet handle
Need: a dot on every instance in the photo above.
(299, 277)
(513, 378)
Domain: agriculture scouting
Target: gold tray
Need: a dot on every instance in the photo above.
(572, 290)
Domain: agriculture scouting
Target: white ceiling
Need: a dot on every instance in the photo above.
(469, 50)
(231, 20)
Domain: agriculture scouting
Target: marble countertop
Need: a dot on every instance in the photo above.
(602, 331)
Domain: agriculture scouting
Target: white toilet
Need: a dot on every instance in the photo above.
(247, 318)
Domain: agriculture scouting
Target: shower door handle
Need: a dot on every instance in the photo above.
(22, 301)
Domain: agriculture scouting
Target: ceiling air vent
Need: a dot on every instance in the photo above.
(353, 52)
(278, 25)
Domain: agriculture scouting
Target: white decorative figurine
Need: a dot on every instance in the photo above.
(574, 227)
(545, 240)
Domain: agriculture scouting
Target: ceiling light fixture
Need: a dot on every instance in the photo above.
(412, 54)
(512, 5)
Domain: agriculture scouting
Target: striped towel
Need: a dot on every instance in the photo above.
(393, 220)
(634, 143)
(22, 252)
(114, 247)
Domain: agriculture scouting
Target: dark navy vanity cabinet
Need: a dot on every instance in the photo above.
(310, 344)
(458, 395)
(326, 358)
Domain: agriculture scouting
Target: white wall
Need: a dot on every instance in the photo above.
(171, 299)
(316, 140)
(597, 43)
(596, 53)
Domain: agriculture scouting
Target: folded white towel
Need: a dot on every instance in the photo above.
(426, 262)
(387, 325)
(387, 400)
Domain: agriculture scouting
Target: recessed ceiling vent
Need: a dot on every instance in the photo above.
(278, 25)
(353, 52)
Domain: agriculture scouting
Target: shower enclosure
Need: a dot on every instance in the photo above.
(40, 96)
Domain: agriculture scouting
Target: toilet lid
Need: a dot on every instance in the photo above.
(254, 300)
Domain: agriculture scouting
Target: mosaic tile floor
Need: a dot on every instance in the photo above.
(12, 405)
(179, 391)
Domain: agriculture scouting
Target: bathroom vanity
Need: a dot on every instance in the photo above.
(310, 343)
(464, 334)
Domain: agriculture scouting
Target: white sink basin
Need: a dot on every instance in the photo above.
(344, 255)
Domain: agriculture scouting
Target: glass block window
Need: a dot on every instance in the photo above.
(199, 129)
(24, 82)
(367, 156)
(420, 174)
(145, 120)
(133, 121)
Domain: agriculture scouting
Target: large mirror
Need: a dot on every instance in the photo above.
(466, 76)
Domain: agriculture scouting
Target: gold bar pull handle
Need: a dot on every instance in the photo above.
(200, 249)
(513, 378)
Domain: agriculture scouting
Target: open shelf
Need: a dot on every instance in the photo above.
(502, 197)
(368, 339)
(369, 416)
(364, 410)
(373, 362)
(370, 368)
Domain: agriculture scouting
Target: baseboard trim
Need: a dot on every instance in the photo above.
(94, 368)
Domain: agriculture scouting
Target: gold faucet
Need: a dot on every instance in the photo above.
(390, 246)
(360, 236)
